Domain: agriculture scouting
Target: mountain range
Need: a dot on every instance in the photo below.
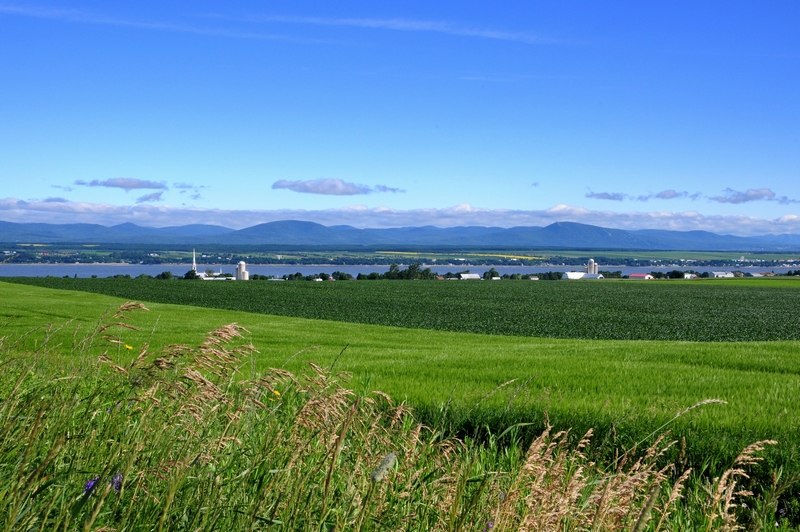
(293, 233)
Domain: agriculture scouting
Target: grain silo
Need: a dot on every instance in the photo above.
(241, 272)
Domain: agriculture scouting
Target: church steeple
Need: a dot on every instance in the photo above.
(194, 262)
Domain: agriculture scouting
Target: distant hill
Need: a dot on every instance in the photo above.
(293, 233)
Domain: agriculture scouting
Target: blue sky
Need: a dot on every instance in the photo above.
(681, 115)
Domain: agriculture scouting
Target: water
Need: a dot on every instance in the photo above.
(278, 270)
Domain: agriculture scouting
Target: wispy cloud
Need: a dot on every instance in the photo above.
(331, 187)
(669, 194)
(125, 183)
(413, 25)
(673, 194)
(191, 189)
(87, 17)
(610, 196)
(391, 190)
(737, 197)
(149, 198)
(12, 209)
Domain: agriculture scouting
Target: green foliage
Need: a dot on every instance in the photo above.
(415, 271)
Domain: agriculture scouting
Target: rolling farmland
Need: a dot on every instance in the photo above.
(707, 311)
(486, 379)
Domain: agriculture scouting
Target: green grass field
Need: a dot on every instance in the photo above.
(624, 389)
(628, 391)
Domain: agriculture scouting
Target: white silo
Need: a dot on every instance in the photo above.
(241, 272)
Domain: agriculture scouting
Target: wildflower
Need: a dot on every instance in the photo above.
(89, 486)
(116, 482)
(129, 347)
(276, 393)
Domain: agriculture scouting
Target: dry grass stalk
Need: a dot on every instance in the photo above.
(105, 360)
(675, 494)
(129, 306)
(724, 492)
(557, 487)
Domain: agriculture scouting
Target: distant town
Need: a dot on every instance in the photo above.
(229, 265)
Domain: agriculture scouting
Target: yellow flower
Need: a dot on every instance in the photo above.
(129, 347)
(276, 393)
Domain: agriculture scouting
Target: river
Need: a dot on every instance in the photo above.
(278, 270)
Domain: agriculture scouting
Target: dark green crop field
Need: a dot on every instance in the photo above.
(705, 311)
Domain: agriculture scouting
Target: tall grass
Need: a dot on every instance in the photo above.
(191, 438)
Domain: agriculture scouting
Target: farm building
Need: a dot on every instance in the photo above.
(644, 276)
(721, 275)
(469, 276)
(241, 272)
(574, 276)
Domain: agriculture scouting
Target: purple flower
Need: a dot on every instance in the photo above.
(89, 486)
(116, 482)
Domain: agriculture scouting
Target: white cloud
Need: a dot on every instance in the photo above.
(663, 195)
(670, 194)
(16, 210)
(332, 187)
(148, 198)
(125, 183)
(567, 210)
(735, 196)
(611, 196)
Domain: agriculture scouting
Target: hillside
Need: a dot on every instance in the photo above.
(567, 235)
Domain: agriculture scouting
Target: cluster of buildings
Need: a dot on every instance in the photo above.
(241, 272)
(591, 271)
